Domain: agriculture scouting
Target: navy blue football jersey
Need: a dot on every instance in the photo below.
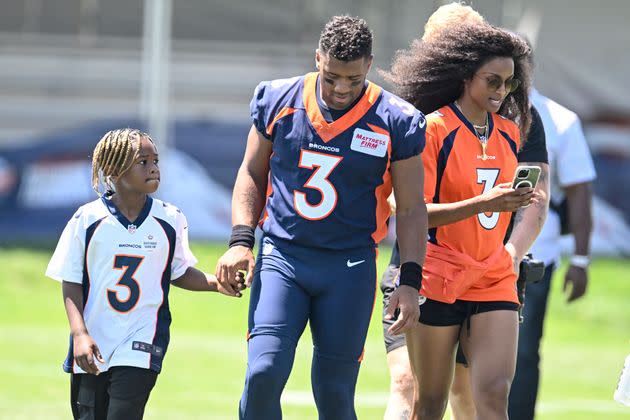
(329, 181)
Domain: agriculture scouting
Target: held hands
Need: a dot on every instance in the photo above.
(576, 278)
(504, 198)
(85, 350)
(240, 279)
(404, 298)
(237, 258)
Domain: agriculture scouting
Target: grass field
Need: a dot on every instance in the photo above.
(584, 348)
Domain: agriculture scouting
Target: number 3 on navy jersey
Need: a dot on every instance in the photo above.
(487, 177)
(129, 264)
(324, 165)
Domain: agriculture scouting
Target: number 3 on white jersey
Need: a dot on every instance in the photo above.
(487, 177)
(324, 164)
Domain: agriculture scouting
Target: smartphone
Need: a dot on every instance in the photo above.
(526, 177)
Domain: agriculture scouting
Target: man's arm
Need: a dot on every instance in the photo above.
(248, 199)
(528, 221)
(411, 212)
(579, 200)
(411, 232)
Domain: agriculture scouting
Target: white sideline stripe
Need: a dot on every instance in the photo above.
(593, 406)
(379, 399)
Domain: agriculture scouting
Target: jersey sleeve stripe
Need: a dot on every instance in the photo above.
(283, 113)
(265, 215)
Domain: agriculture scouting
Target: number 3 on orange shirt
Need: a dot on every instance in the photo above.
(487, 177)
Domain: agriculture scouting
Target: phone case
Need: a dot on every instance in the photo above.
(526, 176)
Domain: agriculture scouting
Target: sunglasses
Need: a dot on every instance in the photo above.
(494, 83)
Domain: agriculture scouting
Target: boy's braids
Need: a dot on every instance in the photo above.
(113, 156)
(346, 38)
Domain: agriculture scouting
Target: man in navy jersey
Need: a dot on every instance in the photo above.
(322, 156)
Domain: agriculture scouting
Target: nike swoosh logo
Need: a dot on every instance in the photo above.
(353, 263)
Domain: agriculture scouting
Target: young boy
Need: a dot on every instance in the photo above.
(116, 259)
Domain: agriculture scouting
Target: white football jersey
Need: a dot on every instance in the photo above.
(125, 269)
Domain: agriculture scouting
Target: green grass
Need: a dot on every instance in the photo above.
(583, 350)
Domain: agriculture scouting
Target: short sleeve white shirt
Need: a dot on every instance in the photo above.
(125, 270)
(570, 162)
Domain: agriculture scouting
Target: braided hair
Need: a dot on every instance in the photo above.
(113, 156)
(432, 74)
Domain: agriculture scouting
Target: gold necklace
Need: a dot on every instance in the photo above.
(483, 138)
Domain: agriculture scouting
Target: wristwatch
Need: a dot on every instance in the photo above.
(581, 261)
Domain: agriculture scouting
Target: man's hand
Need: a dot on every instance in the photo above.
(236, 258)
(577, 279)
(85, 350)
(404, 298)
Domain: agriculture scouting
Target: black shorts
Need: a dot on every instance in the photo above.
(120, 393)
(440, 314)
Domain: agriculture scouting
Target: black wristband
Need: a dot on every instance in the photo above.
(242, 235)
(410, 275)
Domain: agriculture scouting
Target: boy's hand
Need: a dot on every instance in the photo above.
(85, 350)
(235, 259)
(240, 285)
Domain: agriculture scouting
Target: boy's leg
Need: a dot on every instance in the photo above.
(129, 392)
(89, 396)
(278, 312)
(340, 316)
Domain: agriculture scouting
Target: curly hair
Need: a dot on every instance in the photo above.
(431, 74)
(113, 156)
(346, 38)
